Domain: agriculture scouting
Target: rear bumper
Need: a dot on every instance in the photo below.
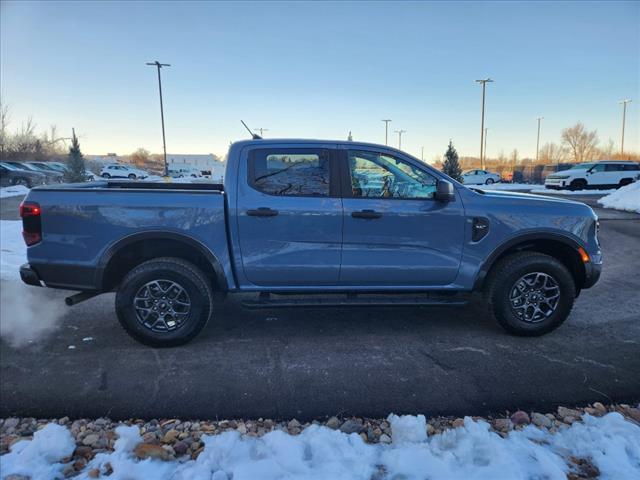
(30, 276)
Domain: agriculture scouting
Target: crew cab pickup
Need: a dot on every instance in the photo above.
(309, 223)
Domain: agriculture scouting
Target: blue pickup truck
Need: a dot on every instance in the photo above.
(309, 223)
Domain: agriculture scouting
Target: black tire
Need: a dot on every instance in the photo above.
(106, 175)
(578, 185)
(132, 176)
(624, 182)
(501, 284)
(166, 269)
(489, 181)
(22, 181)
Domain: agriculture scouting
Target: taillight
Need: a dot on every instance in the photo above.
(31, 222)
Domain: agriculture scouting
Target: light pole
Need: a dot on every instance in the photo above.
(485, 140)
(386, 130)
(538, 139)
(484, 85)
(624, 118)
(400, 132)
(422, 153)
(262, 130)
(164, 142)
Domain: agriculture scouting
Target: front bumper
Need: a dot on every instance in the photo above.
(30, 276)
(592, 273)
(555, 183)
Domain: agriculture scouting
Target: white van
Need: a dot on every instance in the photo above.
(603, 174)
(184, 171)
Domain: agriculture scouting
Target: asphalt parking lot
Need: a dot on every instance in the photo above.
(311, 363)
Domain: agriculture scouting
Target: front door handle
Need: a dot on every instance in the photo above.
(366, 214)
(262, 212)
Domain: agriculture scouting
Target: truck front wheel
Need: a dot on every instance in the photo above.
(530, 293)
(164, 302)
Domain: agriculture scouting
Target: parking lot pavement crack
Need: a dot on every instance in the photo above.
(595, 362)
(443, 366)
(469, 349)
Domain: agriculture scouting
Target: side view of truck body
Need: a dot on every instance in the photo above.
(315, 217)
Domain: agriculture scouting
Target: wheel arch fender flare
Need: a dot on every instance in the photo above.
(150, 235)
(521, 240)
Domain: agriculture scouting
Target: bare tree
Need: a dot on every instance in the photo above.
(581, 143)
(4, 131)
(551, 153)
(140, 157)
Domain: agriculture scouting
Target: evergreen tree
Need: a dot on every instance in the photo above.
(76, 171)
(451, 166)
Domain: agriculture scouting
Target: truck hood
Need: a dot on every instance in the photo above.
(530, 197)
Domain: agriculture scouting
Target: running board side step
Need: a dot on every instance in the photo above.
(358, 300)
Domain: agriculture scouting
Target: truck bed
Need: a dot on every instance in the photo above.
(85, 225)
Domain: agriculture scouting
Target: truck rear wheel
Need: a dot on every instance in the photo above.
(164, 302)
(530, 293)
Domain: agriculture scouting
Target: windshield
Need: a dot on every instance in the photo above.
(582, 166)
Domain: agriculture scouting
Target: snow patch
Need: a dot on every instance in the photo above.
(13, 251)
(611, 443)
(625, 198)
(13, 191)
(39, 458)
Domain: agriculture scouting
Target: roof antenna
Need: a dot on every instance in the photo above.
(255, 136)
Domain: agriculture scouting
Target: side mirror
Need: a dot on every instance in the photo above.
(444, 191)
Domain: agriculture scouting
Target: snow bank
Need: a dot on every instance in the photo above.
(625, 198)
(13, 251)
(13, 191)
(472, 451)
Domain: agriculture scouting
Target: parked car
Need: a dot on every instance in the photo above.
(602, 174)
(122, 171)
(62, 168)
(10, 175)
(184, 171)
(479, 177)
(294, 225)
(50, 172)
(50, 176)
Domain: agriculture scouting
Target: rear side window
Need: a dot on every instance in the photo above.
(631, 167)
(614, 167)
(288, 172)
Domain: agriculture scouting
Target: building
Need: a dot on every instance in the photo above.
(208, 164)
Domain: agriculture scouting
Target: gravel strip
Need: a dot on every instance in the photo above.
(169, 439)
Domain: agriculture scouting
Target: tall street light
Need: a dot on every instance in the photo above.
(261, 130)
(400, 132)
(624, 118)
(164, 142)
(538, 140)
(386, 130)
(485, 140)
(484, 85)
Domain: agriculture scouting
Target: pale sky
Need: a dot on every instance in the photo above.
(319, 70)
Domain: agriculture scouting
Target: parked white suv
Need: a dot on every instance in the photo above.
(482, 177)
(603, 174)
(122, 171)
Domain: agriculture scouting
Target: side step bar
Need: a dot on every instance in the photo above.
(357, 300)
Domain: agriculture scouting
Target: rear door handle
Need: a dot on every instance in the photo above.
(262, 212)
(367, 214)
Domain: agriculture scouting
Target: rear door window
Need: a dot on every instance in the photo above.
(290, 172)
